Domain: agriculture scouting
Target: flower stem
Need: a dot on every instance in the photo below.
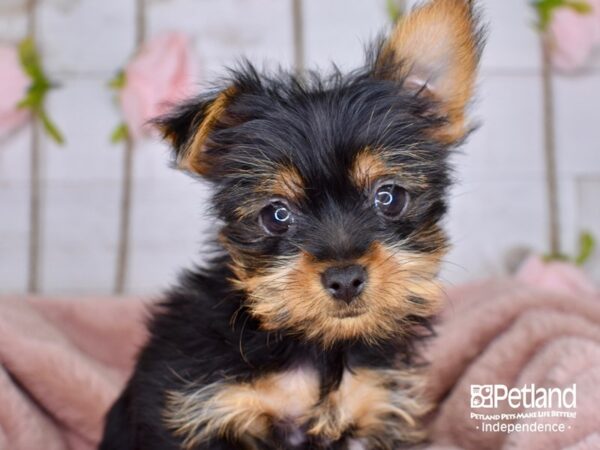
(35, 195)
(123, 251)
(125, 217)
(550, 150)
(35, 207)
(298, 28)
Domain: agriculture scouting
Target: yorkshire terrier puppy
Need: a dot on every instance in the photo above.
(298, 333)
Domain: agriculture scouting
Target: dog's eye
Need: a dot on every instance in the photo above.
(276, 218)
(391, 200)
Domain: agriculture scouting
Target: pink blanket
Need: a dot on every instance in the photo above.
(63, 362)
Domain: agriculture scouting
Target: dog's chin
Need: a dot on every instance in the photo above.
(348, 314)
(352, 311)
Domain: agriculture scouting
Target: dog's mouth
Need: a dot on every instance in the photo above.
(349, 312)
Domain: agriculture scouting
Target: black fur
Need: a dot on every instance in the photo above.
(194, 339)
(204, 331)
(318, 128)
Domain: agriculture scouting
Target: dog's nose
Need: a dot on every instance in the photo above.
(344, 283)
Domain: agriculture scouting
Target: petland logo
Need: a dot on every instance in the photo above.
(527, 397)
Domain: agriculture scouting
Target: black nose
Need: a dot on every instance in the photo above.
(344, 283)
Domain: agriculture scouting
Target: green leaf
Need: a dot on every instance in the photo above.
(40, 85)
(581, 7)
(50, 128)
(119, 134)
(30, 101)
(118, 82)
(587, 244)
(546, 8)
(30, 60)
(393, 10)
(27, 56)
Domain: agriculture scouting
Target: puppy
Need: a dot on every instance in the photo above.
(299, 332)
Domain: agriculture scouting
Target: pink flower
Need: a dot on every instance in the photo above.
(558, 277)
(13, 88)
(574, 36)
(158, 76)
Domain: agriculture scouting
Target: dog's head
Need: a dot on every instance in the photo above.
(331, 190)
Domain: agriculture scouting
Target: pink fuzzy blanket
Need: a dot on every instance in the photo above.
(63, 362)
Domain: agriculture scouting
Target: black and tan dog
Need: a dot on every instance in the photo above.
(298, 333)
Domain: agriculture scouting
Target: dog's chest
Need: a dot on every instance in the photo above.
(295, 411)
(288, 395)
(294, 394)
(363, 401)
(288, 406)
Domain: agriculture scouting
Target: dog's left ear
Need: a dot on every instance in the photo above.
(190, 126)
(434, 50)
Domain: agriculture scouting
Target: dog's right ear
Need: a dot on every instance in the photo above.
(189, 127)
(434, 51)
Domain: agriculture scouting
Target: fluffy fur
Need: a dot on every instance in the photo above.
(254, 350)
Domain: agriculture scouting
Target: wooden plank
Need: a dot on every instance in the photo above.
(337, 31)
(508, 144)
(578, 133)
(226, 30)
(81, 191)
(13, 20)
(86, 37)
(14, 228)
(170, 227)
(488, 219)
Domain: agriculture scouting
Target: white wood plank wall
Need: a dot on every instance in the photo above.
(498, 205)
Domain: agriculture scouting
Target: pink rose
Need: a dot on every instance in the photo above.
(574, 36)
(158, 76)
(13, 88)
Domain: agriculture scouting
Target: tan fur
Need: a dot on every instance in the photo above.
(192, 159)
(291, 295)
(287, 183)
(240, 409)
(373, 403)
(283, 182)
(279, 182)
(437, 44)
(371, 165)
(367, 168)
